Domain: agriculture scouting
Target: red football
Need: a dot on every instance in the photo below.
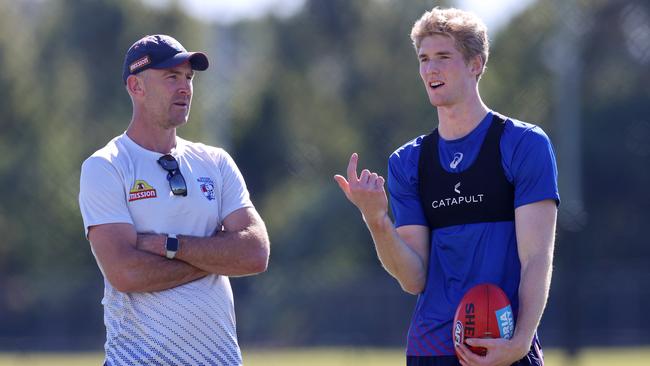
(484, 312)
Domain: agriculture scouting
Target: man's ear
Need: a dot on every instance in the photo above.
(476, 65)
(135, 85)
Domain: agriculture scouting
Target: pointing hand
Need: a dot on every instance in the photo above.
(365, 191)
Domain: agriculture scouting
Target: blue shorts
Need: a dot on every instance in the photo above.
(535, 357)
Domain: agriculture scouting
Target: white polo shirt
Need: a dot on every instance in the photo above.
(192, 324)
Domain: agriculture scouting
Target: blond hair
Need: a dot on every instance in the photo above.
(466, 29)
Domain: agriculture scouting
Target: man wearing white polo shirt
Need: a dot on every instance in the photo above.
(168, 220)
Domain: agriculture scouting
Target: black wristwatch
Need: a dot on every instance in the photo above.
(171, 246)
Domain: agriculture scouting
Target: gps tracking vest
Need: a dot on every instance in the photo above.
(481, 193)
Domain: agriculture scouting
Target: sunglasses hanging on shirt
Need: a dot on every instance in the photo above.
(174, 177)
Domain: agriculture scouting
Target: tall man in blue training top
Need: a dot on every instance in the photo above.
(168, 220)
(475, 201)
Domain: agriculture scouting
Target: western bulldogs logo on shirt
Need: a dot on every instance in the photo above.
(207, 187)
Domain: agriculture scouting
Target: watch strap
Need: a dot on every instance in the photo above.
(171, 246)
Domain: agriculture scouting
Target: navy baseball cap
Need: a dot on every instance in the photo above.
(160, 52)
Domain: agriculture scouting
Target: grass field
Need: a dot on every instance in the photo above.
(342, 357)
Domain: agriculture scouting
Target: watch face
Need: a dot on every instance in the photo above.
(172, 244)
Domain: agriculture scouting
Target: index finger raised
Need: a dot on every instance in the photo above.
(352, 168)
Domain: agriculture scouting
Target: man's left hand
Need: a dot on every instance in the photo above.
(500, 352)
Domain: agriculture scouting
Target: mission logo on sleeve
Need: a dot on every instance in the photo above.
(141, 190)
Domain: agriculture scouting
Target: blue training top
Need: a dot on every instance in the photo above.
(462, 256)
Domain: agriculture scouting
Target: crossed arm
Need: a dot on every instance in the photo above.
(135, 262)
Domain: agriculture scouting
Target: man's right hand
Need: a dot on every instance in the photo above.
(404, 252)
(365, 191)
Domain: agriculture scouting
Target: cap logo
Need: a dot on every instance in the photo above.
(139, 63)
